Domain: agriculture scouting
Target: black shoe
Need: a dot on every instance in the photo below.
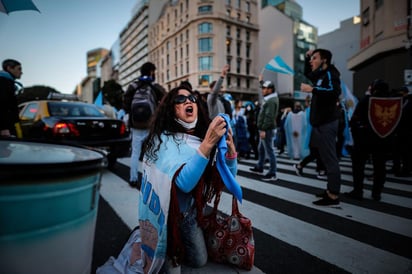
(270, 177)
(326, 201)
(298, 170)
(322, 194)
(354, 195)
(133, 184)
(376, 196)
(257, 170)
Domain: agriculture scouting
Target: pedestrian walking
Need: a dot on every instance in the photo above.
(266, 125)
(324, 116)
(370, 137)
(139, 102)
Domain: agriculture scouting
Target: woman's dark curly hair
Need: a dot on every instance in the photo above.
(164, 122)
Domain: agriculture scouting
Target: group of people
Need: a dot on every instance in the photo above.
(178, 151)
(179, 174)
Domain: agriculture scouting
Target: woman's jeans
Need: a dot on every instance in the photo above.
(194, 243)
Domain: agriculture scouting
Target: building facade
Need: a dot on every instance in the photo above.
(385, 44)
(305, 37)
(193, 40)
(276, 38)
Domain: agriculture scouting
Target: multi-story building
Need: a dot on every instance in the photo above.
(90, 85)
(304, 35)
(276, 39)
(134, 40)
(133, 44)
(385, 44)
(343, 43)
(193, 40)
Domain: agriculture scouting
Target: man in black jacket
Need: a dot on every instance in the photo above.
(9, 114)
(324, 116)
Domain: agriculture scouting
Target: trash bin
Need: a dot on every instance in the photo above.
(48, 207)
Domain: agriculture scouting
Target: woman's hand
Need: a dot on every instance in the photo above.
(231, 149)
(216, 130)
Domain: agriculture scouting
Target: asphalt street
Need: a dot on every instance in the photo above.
(291, 235)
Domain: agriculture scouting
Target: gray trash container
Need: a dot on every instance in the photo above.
(48, 207)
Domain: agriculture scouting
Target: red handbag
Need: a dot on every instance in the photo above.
(229, 239)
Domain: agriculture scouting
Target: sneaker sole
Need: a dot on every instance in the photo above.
(270, 179)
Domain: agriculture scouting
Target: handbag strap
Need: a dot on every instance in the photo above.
(235, 207)
(216, 202)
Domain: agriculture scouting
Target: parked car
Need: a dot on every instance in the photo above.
(76, 123)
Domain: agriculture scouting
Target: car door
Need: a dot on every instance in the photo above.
(27, 118)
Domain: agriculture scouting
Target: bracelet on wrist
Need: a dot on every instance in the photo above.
(231, 156)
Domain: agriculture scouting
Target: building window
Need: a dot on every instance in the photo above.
(247, 68)
(228, 12)
(238, 4)
(228, 81)
(228, 42)
(238, 47)
(205, 44)
(228, 30)
(378, 4)
(228, 3)
(181, 53)
(238, 33)
(205, 63)
(248, 6)
(248, 83)
(248, 36)
(248, 19)
(247, 50)
(365, 17)
(238, 65)
(238, 16)
(238, 81)
(204, 80)
(187, 50)
(187, 66)
(187, 34)
(205, 28)
(205, 9)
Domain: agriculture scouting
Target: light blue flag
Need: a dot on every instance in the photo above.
(278, 65)
(99, 100)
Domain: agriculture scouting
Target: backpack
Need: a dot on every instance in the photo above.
(143, 105)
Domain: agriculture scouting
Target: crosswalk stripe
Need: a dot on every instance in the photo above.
(357, 236)
(349, 254)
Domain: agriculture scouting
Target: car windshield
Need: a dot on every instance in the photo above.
(65, 109)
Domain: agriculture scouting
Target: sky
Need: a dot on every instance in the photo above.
(52, 45)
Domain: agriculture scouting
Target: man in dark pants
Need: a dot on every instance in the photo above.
(324, 117)
(367, 142)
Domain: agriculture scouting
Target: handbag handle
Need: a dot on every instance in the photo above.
(235, 206)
